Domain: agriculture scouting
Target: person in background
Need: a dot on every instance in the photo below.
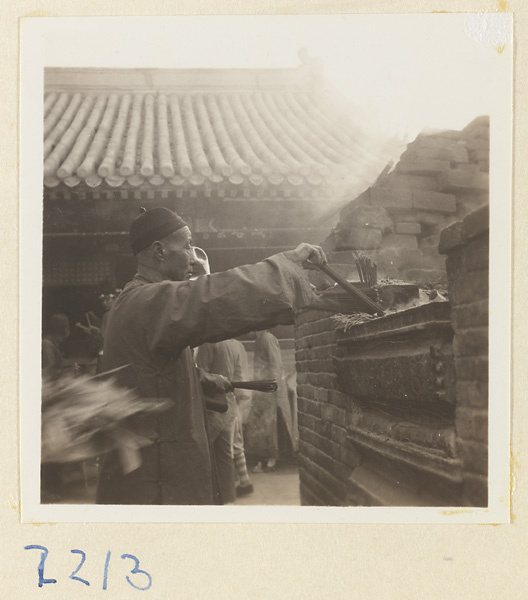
(262, 438)
(222, 359)
(152, 326)
(57, 330)
(98, 333)
(227, 358)
(243, 406)
(107, 300)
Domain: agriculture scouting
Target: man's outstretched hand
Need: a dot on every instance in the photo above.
(308, 255)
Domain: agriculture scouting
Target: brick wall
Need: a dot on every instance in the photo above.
(441, 177)
(394, 411)
(376, 410)
(466, 244)
(325, 460)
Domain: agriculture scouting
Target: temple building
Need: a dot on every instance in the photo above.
(252, 159)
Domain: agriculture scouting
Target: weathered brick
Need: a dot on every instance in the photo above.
(319, 490)
(312, 408)
(472, 424)
(423, 167)
(475, 490)
(472, 369)
(471, 342)
(322, 443)
(320, 395)
(306, 390)
(308, 421)
(307, 316)
(301, 343)
(425, 217)
(474, 456)
(468, 167)
(325, 460)
(435, 201)
(387, 197)
(322, 427)
(434, 138)
(451, 237)
(477, 144)
(408, 228)
(338, 398)
(418, 182)
(472, 394)
(362, 200)
(339, 434)
(328, 413)
(429, 244)
(325, 381)
(308, 450)
(301, 352)
(482, 369)
(478, 155)
(475, 314)
(451, 153)
(309, 496)
(357, 238)
(473, 286)
(302, 366)
(340, 416)
(465, 369)
(423, 276)
(454, 180)
(316, 340)
(322, 326)
(375, 217)
(302, 379)
(328, 365)
(477, 222)
(349, 456)
(336, 487)
(399, 241)
(477, 254)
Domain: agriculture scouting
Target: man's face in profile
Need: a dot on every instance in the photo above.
(178, 255)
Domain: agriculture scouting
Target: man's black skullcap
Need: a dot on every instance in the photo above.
(152, 225)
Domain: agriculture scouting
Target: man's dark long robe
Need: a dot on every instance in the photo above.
(151, 327)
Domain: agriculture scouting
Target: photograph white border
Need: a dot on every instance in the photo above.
(33, 32)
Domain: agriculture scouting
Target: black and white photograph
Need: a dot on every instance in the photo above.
(265, 268)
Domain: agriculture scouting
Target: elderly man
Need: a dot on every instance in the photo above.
(151, 327)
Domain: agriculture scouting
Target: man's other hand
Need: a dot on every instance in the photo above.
(214, 384)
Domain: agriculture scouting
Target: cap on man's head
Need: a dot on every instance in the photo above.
(152, 225)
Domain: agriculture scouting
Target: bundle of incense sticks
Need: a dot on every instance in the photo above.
(367, 269)
(264, 385)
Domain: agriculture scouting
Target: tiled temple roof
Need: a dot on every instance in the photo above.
(187, 137)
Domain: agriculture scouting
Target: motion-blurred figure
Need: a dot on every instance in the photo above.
(262, 426)
(57, 330)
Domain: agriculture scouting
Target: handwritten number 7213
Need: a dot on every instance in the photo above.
(134, 571)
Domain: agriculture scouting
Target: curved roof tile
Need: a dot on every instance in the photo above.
(191, 138)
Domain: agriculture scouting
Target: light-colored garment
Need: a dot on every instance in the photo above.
(262, 429)
(151, 327)
(222, 359)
